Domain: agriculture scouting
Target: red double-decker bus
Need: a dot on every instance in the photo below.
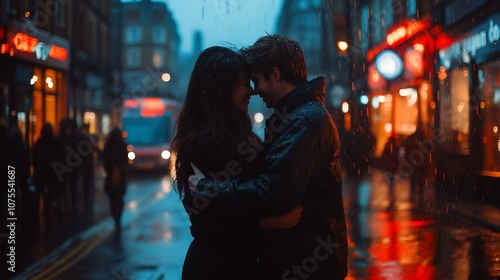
(149, 126)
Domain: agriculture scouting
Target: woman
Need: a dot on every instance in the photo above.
(212, 124)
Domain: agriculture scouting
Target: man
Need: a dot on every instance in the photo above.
(301, 166)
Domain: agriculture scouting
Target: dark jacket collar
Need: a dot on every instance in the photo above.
(313, 90)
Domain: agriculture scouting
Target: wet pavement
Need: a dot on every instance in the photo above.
(387, 241)
(405, 242)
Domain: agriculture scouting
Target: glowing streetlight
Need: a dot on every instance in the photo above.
(342, 45)
(165, 77)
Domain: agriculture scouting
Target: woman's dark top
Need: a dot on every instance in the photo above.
(224, 246)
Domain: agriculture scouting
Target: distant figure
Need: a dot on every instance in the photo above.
(389, 163)
(115, 161)
(357, 148)
(417, 155)
(48, 150)
(69, 138)
(7, 158)
(88, 164)
(22, 169)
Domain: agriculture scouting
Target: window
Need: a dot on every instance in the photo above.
(406, 109)
(489, 98)
(133, 34)
(159, 34)
(133, 58)
(158, 58)
(455, 111)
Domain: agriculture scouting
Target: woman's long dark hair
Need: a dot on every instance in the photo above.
(207, 107)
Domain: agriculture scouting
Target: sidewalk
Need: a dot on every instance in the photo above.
(484, 214)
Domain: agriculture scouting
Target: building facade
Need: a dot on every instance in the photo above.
(90, 90)
(150, 50)
(434, 69)
(35, 57)
(55, 63)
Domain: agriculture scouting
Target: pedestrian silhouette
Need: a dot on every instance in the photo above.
(115, 164)
(87, 168)
(389, 163)
(47, 152)
(23, 178)
(357, 148)
(418, 159)
(69, 138)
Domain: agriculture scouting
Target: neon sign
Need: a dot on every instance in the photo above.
(25, 43)
(405, 31)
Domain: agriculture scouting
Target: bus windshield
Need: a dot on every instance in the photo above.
(147, 131)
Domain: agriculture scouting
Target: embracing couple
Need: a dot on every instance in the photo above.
(260, 209)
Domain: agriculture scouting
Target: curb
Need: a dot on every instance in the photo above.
(486, 215)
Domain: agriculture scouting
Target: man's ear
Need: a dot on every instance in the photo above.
(276, 74)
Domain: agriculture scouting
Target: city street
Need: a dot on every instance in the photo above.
(412, 88)
(385, 243)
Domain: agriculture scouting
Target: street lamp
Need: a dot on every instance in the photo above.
(342, 45)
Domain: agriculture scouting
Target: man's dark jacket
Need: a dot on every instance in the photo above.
(301, 167)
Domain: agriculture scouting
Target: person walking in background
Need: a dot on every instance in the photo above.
(23, 180)
(389, 163)
(212, 124)
(301, 166)
(69, 138)
(88, 165)
(47, 152)
(114, 156)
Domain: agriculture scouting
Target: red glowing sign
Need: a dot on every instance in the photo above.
(404, 31)
(414, 62)
(25, 43)
(152, 107)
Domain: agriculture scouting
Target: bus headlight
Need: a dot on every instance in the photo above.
(165, 154)
(131, 155)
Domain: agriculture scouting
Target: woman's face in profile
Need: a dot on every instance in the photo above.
(241, 95)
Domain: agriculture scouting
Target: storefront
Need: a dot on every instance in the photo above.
(33, 80)
(469, 108)
(400, 90)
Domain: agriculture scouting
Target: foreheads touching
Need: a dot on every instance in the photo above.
(278, 51)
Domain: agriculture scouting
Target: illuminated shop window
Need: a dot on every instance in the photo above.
(158, 58)
(405, 111)
(50, 81)
(90, 119)
(455, 110)
(489, 102)
(381, 120)
(36, 115)
(36, 80)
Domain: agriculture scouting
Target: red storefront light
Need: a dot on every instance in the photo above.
(25, 43)
(404, 31)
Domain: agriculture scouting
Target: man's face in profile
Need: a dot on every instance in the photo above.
(265, 88)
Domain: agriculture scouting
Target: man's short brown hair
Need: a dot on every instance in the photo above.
(278, 51)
